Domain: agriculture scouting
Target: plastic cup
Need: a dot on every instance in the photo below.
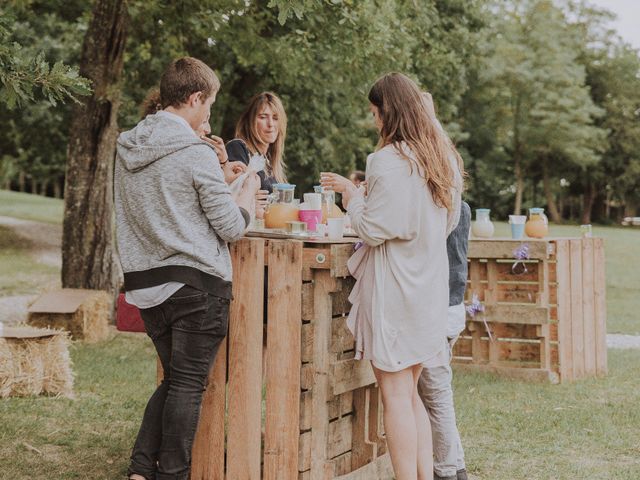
(313, 200)
(321, 229)
(517, 223)
(335, 228)
(311, 218)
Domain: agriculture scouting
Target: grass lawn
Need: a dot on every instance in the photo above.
(31, 207)
(511, 430)
(20, 272)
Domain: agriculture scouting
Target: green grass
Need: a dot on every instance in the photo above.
(586, 430)
(31, 207)
(510, 430)
(91, 436)
(20, 272)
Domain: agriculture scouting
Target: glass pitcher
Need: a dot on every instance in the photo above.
(538, 225)
(329, 207)
(482, 227)
(281, 207)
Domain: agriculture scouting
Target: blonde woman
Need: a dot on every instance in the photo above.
(261, 130)
(401, 295)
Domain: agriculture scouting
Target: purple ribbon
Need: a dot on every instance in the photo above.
(357, 245)
(521, 253)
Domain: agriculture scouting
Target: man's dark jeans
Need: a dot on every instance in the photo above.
(187, 330)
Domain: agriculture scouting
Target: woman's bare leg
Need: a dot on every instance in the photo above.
(399, 421)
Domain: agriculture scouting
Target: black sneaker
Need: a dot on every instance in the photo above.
(438, 477)
(462, 474)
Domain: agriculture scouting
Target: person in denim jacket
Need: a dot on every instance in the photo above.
(434, 386)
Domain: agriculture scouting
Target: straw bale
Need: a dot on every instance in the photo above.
(90, 322)
(36, 365)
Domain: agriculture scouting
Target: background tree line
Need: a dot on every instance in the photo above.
(541, 98)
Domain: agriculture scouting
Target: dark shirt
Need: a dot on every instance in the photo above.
(457, 247)
(237, 151)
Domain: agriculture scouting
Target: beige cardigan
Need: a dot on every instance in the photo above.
(401, 295)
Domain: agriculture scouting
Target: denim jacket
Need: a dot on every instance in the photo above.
(457, 246)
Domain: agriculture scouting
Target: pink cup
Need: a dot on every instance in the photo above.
(311, 217)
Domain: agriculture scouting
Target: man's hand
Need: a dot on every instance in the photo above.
(251, 184)
(232, 170)
(218, 144)
(262, 198)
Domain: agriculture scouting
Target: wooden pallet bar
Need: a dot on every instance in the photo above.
(546, 321)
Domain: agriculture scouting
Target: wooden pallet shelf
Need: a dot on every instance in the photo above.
(546, 323)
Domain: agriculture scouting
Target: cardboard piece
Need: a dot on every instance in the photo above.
(24, 331)
(66, 300)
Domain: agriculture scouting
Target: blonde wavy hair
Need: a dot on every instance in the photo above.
(246, 130)
(406, 118)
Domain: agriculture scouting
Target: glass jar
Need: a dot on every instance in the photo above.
(329, 207)
(538, 225)
(281, 208)
(482, 227)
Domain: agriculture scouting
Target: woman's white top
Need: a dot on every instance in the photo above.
(401, 296)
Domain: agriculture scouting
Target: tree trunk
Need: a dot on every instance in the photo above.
(34, 186)
(551, 203)
(22, 182)
(88, 254)
(57, 188)
(630, 206)
(517, 157)
(588, 199)
(43, 188)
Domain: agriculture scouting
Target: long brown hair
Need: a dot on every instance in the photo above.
(151, 103)
(405, 118)
(247, 131)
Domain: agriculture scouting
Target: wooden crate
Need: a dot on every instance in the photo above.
(316, 412)
(548, 323)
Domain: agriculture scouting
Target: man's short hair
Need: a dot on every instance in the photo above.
(358, 175)
(183, 77)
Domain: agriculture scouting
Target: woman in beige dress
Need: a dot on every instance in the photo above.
(401, 295)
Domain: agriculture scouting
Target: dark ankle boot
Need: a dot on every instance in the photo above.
(462, 474)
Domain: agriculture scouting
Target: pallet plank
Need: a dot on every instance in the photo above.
(322, 323)
(245, 361)
(563, 288)
(283, 360)
(208, 445)
(577, 319)
(600, 306)
(589, 316)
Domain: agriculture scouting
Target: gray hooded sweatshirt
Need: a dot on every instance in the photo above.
(174, 211)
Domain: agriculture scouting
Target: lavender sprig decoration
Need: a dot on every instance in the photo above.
(358, 245)
(475, 306)
(522, 252)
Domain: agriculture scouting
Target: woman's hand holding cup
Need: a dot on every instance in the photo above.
(339, 184)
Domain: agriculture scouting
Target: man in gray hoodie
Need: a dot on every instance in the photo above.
(174, 216)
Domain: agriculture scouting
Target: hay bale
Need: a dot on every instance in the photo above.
(34, 362)
(83, 313)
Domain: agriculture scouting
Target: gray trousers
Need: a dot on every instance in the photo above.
(434, 388)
